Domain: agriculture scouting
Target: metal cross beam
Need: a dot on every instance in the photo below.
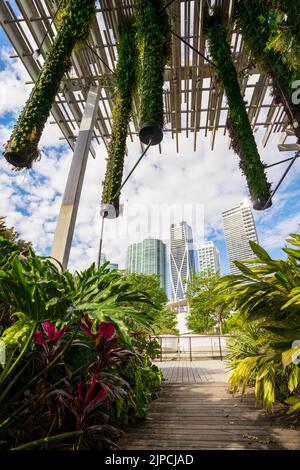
(67, 217)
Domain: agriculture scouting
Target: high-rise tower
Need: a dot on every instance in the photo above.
(209, 258)
(148, 257)
(182, 258)
(239, 228)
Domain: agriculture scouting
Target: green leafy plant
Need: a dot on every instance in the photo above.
(22, 148)
(255, 20)
(125, 86)
(239, 127)
(267, 296)
(63, 385)
(154, 46)
(208, 311)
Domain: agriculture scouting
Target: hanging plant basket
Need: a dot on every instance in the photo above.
(73, 26)
(238, 125)
(254, 18)
(154, 45)
(125, 86)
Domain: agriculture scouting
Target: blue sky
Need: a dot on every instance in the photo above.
(31, 200)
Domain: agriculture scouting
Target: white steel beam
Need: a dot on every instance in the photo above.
(68, 212)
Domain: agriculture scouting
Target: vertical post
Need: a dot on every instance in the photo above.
(161, 350)
(100, 242)
(190, 348)
(220, 347)
(68, 212)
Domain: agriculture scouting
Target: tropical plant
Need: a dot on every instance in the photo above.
(154, 46)
(63, 385)
(254, 19)
(238, 125)
(22, 148)
(207, 309)
(291, 9)
(266, 294)
(160, 319)
(125, 86)
(284, 39)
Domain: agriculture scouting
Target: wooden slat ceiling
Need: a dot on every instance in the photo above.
(194, 102)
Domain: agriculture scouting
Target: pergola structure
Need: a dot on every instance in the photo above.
(194, 102)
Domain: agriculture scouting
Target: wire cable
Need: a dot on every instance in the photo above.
(100, 58)
(105, 214)
(39, 49)
(282, 178)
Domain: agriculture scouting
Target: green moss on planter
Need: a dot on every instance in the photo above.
(125, 86)
(254, 20)
(239, 127)
(154, 45)
(22, 148)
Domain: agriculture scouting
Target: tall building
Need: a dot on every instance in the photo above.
(103, 259)
(113, 266)
(239, 228)
(209, 258)
(148, 257)
(182, 259)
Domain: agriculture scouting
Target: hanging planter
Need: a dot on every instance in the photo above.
(73, 26)
(253, 19)
(240, 131)
(125, 85)
(154, 45)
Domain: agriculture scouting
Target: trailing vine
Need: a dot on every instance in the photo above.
(154, 45)
(240, 131)
(73, 26)
(125, 86)
(253, 19)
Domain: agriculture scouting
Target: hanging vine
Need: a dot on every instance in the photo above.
(240, 131)
(154, 45)
(73, 26)
(125, 86)
(253, 19)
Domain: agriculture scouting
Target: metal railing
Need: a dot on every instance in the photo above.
(192, 347)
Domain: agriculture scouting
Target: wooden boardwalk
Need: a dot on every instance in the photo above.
(204, 415)
(193, 371)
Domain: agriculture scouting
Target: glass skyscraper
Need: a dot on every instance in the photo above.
(239, 228)
(183, 261)
(148, 257)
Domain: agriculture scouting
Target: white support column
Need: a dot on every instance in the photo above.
(68, 212)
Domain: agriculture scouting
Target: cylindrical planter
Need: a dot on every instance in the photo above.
(256, 34)
(22, 148)
(154, 39)
(125, 85)
(238, 125)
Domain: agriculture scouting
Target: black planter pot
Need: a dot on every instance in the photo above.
(15, 159)
(259, 205)
(151, 131)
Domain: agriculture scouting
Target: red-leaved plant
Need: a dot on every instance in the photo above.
(50, 338)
